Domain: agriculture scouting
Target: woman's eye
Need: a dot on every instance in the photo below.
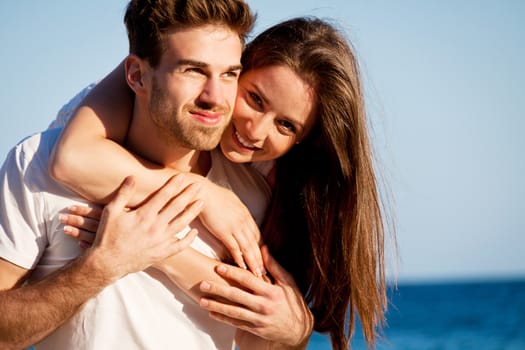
(286, 125)
(256, 99)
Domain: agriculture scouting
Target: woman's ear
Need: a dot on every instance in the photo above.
(137, 74)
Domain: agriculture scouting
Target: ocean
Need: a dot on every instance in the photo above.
(450, 316)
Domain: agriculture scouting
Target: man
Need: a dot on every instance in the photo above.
(183, 69)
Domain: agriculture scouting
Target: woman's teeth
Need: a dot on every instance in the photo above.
(243, 141)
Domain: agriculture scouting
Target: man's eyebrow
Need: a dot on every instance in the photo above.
(187, 62)
(235, 67)
(200, 64)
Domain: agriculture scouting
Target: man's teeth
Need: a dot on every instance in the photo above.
(243, 141)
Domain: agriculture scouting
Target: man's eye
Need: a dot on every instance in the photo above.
(233, 74)
(194, 70)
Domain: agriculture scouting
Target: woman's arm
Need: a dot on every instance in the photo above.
(89, 159)
(82, 222)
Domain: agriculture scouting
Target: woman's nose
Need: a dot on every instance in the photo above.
(258, 128)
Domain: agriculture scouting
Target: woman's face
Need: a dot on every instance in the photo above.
(274, 110)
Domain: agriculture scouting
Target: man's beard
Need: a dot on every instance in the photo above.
(182, 130)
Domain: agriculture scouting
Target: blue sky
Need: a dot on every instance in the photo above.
(444, 86)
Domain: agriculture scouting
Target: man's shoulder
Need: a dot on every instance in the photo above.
(39, 144)
(30, 157)
(46, 137)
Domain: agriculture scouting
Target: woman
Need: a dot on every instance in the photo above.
(325, 223)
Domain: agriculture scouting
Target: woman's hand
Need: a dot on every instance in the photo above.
(275, 312)
(81, 222)
(228, 219)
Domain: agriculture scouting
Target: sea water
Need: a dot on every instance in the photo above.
(450, 316)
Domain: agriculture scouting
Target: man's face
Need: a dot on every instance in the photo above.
(193, 89)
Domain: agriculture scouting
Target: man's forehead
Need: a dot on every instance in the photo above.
(210, 44)
(209, 27)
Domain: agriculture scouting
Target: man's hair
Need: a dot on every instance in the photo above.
(149, 21)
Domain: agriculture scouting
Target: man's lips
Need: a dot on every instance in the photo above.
(208, 118)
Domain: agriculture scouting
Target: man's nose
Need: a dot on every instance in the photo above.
(212, 92)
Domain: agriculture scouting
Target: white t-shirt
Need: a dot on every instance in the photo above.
(143, 310)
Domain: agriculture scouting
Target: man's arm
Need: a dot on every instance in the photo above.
(127, 241)
(31, 312)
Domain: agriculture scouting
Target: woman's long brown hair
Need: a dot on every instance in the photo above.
(325, 224)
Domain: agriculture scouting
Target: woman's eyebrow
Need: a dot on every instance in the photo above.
(261, 94)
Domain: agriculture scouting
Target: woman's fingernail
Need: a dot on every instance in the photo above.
(203, 302)
(221, 269)
(62, 218)
(205, 286)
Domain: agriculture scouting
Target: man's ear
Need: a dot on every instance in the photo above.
(137, 74)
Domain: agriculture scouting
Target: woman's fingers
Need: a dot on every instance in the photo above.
(89, 211)
(249, 251)
(79, 222)
(81, 235)
(228, 219)
(231, 244)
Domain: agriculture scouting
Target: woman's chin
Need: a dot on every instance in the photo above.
(234, 155)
